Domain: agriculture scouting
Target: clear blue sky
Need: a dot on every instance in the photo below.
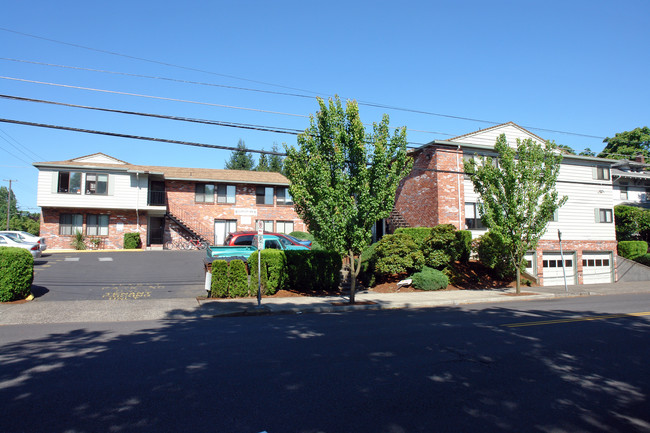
(573, 66)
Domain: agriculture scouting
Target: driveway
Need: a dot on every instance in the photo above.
(118, 275)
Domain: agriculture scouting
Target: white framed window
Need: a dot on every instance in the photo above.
(601, 172)
(70, 224)
(69, 182)
(97, 225)
(285, 227)
(96, 183)
(264, 195)
(604, 215)
(204, 193)
(472, 218)
(222, 228)
(624, 193)
(283, 197)
(268, 225)
(226, 194)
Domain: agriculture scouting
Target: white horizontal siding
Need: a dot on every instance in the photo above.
(123, 192)
(635, 195)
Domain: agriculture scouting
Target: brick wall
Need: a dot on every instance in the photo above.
(577, 247)
(115, 238)
(429, 195)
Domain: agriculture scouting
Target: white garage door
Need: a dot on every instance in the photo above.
(597, 268)
(553, 274)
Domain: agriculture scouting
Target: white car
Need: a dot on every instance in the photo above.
(28, 237)
(12, 240)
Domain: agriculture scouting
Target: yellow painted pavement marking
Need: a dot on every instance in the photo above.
(577, 319)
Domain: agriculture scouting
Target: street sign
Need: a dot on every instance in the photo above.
(260, 228)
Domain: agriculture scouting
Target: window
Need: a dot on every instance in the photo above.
(472, 219)
(554, 218)
(97, 225)
(204, 193)
(268, 225)
(69, 224)
(226, 194)
(604, 215)
(601, 173)
(70, 182)
(623, 193)
(283, 197)
(264, 195)
(284, 226)
(96, 183)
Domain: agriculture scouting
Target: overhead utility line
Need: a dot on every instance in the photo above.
(138, 137)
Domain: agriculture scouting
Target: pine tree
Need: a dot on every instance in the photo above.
(240, 159)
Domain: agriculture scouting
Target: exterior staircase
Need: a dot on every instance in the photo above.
(395, 220)
(190, 223)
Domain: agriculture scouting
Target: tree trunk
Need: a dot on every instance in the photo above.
(518, 280)
(353, 276)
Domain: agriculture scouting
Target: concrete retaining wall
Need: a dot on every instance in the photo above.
(629, 270)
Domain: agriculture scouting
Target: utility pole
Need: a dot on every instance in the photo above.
(9, 199)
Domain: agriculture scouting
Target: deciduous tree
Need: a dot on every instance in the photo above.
(517, 194)
(343, 179)
(627, 144)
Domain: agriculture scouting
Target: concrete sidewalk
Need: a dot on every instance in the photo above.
(42, 311)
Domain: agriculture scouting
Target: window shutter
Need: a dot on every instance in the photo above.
(110, 179)
(597, 214)
(55, 182)
(594, 172)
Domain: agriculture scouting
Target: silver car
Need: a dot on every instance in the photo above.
(28, 237)
(12, 240)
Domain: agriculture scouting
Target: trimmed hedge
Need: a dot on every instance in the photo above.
(16, 273)
(419, 234)
(238, 279)
(313, 271)
(644, 260)
(219, 286)
(632, 249)
(132, 241)
(430, 279)
(274, 272)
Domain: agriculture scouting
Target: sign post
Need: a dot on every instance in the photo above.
(559, 237)
(260, 246)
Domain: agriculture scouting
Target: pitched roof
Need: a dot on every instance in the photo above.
(96, 161)
(501, 126)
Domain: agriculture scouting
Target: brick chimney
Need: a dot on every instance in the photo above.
(640, 158)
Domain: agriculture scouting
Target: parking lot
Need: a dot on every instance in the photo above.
(118, 275)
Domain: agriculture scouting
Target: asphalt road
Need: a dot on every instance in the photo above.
(119, 275)
(570, 365)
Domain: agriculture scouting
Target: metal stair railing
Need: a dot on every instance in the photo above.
(189, 222)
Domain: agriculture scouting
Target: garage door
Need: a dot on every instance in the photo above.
(597, 268)
(552, 273)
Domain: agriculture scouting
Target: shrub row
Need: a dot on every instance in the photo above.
(300, 270)
(16, 273)
(632, 249)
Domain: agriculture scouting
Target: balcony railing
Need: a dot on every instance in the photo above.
(156, 198)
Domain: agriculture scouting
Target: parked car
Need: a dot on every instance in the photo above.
(246, 238)
(244, 251)
(12, 240)
(28, 237)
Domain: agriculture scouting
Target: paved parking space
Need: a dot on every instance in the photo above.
(118, 275)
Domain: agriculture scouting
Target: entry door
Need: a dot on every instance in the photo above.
(222, 228)
(156, 230)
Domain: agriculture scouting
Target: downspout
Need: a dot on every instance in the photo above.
(460, 175)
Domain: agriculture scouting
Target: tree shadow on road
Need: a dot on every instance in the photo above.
(442, 369)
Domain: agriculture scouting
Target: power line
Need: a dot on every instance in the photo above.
(137, 137)
(360, 102)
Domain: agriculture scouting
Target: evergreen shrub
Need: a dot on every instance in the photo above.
(397, 254)
(16, 273)
(313, 271)
(132, 241)
(419, 234)
(492, 253)
(441, 248)
(632, 249)
(219, 286)
(367, 272)
(238, 279)
(274, 272)
(430, 279)
(644, 260)
(464, 239)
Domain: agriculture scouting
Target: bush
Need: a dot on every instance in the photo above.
(441, 247)
(274, 272)
(644, 260)
(430, 279)
(16, 273)
(132, 241)
(78, 241)
(219, 286)
(464, 239)
(302, 235)
(632, 223)
(419, 234)
(238, 279)
(367, 272)
(632, 249)
(491, 252)
(313, 271)
(397, 254)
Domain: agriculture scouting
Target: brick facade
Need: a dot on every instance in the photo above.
(577, 247)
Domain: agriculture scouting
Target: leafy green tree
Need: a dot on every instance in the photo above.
(343, 179)
(240, 159)
(518, 196)
(587, 152)
(567, 150)
(13, 205)
(276, 162)
(18, 219)
(627, 144)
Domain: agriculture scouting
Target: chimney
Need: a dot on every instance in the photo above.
(640, 158)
